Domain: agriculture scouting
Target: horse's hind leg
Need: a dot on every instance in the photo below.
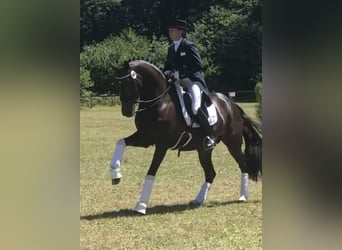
(158, 157)
(207, 165)
(234, 144)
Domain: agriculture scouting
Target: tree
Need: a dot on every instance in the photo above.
(230, 42)
(85, 82)
(98, 19)
(101, 18)
(226, 32)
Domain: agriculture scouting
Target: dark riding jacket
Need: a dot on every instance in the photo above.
(187, 61)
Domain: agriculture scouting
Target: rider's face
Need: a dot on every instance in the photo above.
(175, 34)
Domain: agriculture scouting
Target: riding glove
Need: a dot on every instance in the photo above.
(173, 75)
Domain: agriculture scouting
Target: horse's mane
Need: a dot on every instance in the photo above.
(138, 62)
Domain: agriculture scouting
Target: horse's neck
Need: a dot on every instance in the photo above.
(152, 89)
(153, 85)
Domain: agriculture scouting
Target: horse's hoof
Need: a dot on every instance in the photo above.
(116, 181)
(139, 213)
(195, 203)
(242, 198)
(140, 208)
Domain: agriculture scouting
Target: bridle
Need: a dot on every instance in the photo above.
(154, 101)
(125, 76)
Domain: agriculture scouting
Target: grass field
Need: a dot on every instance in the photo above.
(107, 220)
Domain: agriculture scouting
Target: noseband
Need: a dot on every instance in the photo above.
(132, 74)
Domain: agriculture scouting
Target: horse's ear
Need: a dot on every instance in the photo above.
(126, 64)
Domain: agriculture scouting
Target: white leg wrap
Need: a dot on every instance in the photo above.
(145, 194)
(115, 162)
(202, 195)
(244, 191)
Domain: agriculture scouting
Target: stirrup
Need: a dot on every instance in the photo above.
(208, 143)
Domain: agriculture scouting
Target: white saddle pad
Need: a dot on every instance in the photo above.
(212, 113)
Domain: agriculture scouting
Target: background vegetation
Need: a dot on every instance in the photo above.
(227, 32)
(258, 92)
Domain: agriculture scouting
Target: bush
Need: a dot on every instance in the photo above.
(102, 58)
(258, 93)
(85, 82)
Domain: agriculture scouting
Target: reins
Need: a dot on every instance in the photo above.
(156, 100)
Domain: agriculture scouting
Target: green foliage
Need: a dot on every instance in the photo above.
(258, 92)
(101, 59)
(215, 28)
(230, 42)
(158, 51)
(227, 33)
(85, 82)
(97, 19)
(101, 18)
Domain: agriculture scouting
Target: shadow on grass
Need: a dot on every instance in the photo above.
(160, 209)
(225, 203)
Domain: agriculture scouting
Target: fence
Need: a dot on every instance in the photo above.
(92, 101)
(243, 95)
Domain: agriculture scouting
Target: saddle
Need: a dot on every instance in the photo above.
(185, 102)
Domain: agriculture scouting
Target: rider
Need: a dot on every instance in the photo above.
(184, 61)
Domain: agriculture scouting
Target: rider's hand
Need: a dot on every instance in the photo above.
(168, 74)
(171, 75)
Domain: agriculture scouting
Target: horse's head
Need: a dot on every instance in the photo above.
(138, 80)
(130, 83)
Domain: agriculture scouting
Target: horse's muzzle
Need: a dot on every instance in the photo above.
(127, 109)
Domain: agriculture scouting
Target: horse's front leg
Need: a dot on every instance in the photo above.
(115, 164)
(158, 157)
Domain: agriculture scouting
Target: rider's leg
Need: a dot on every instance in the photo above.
(195, 93)
(200, 117)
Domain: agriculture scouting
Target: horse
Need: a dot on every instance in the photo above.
(159, 122)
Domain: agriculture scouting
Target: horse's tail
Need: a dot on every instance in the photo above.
(252, 134)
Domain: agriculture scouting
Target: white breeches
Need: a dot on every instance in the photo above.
(195, 91)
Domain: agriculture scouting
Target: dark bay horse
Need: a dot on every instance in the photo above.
(159, 122)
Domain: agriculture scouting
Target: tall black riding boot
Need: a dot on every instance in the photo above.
(202, 119)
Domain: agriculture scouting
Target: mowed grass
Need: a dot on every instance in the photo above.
(106, 217)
